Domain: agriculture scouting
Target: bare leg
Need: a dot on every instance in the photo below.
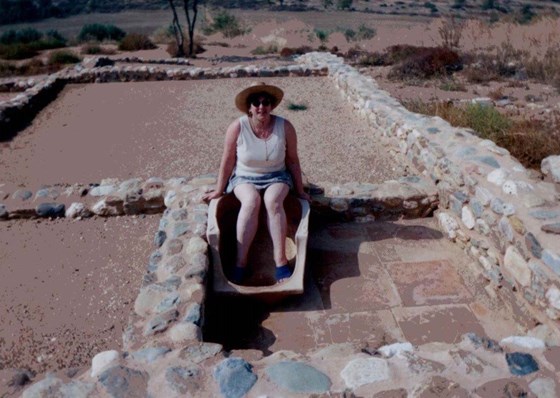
(247, 220)
(277, 225)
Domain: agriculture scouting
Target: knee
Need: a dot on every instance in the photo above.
(251, 203)
(274, 204)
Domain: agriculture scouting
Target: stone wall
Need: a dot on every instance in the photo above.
(490, 204)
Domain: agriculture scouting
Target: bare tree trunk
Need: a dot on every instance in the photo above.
(191, 22)
(178, 31)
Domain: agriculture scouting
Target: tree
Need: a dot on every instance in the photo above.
(191, 12)
(177, 31)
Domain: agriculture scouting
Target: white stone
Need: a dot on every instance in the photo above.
(361, 371)
(497, 176)
(543, 388)
(184, 332)
(398, 349)
(102, 190)
(517, 266)
(510, 187)
(196, 245)
(169, 198)
(551, 166)
(76, 210)
(102, 361)
(468, 217)
(449, 224)
(527, 342)
(483, 195)
(553, 297)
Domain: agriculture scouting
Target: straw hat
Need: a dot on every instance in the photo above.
(274, 92)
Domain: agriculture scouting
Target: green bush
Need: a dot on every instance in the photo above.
(100, 32)
(227, 24)
(17, 51)
(135, 42)
(26, 35)
(296, 107)
(344, 4)
(96, 49)
(426, 62)
(63, 57)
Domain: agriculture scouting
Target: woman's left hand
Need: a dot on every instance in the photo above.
(304, 196)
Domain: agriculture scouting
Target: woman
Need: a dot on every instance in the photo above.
(260, 165)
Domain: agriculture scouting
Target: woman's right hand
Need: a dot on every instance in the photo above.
(212, 195)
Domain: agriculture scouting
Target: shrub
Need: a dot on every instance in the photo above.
(63, 57)
(227, 24)
(136, 42)
(96, 49)
(364, 33)
(17, 51)
(289, 52)
(263, 50)
(427, 62)
(164, 35)
(172, 48)
(26, 35)
(545, 69)
(100, 32)
(296, 107)
(452, 85)
(343, 4)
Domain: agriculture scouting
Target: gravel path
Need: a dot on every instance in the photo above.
(67, 288)
(172, 129)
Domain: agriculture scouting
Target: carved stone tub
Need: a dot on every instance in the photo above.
(260, 281)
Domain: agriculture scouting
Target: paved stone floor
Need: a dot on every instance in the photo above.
(373, 283)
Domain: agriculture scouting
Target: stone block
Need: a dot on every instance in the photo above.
(517, 266)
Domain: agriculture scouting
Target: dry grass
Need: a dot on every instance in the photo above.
(529, 141)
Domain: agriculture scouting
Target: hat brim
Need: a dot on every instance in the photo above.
(274, 92)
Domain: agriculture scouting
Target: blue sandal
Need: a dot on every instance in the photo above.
(283, 272)
(238, 275)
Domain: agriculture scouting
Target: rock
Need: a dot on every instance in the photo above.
(179, 214)
(200, 352)
(183, 379)
(548, 228)
(533, 245)
(506, 229)
(179, 229)
(184, 332)
(154, 260)
(553, 297)
(77, 389)
(517, 224)
(193, 314)
(544, 214)
(104, 209)
(123, 382)
(468, 217)
(103, 190)
(543, 388)
(361, 371)
(486, 343)
(448, 224)
(175, 264)
(530, 343)
(509, 187)
(498, 206)
(47, 193)
(149, 355)
(521, 364)
(198, 266)
(78, 210)
(174, 246)
(497, 176)
(531, 200)
(149, 297)
(551, 166)
(439, 386)
(22, 195)
(50, 210)
(3, 212)
(153, 183)
(102, 361)
(517, 266)
(49, 387)
(552, 260)
(197, 245)
(483, 101)
(235, 377)
(398, 349)
(159, 238)
(483, 195)
(297, 377)
(169, 302)
(161, 322)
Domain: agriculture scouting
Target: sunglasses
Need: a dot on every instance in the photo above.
(264, 102)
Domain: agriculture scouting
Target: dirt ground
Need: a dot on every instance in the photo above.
(67, 288)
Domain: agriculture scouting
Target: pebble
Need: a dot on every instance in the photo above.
(102, 361)
(498, 206)
(527, 342)
(123, 382)
(544, 214)
(506, 229)
(397, 349)
(448, 224)
(483, 195)
(180, 229)
(298, 377)
(183, 379)
(159, 238)
(200, 352)
(3, 212)
(551, 166)
(149, 355)
(174, 246)
(76, 210)
(184, 332)
(543, 388)
(174, 264)
(552, 260)
(160, 323)
(468, 217)
(235, 377)
(485, 342)
(553, 297)
(169, 302)
(361, 371)
(549, 228)
(521, 364)
(50, 210)
(497, 177)
(102, 190)
(22, 195)
(533, 245)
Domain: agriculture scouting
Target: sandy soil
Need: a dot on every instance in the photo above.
(67, 288)
(170, 129)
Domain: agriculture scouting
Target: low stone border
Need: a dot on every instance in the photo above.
(490, 205)
(160, 61)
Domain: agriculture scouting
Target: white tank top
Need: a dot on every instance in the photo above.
(256, 156)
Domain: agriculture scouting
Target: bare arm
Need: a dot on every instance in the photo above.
(228, 160)
(292, 159)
